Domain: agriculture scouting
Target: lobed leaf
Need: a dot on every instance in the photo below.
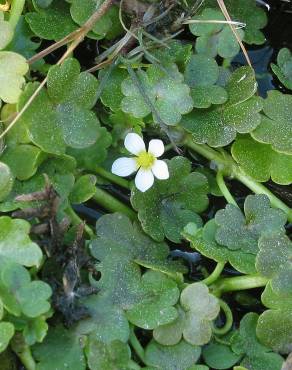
(171, 204)
(283, 68)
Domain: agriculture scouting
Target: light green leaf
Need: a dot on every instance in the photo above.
(6, 181)
(171, 204)
(23, 160)
(12, 69)
(15, 243)
(6, 333)
(261, 162)
(6, 32)
(276, 125)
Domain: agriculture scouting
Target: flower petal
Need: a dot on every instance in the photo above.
(134, 143)
(124, 166)
(144, 180)
(156, 147)
(160, 170)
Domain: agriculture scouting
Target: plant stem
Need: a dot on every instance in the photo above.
(229, 167)
(228, 319)
(76, 220)
(238, 283)
(112, 178)
(15, 12)
(112, 204)
(23, 352)
(225, 191)
(137, 346)
(215, 274)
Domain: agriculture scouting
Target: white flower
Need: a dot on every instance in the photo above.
(146, 162)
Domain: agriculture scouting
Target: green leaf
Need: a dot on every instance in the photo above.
(276, 125)
(214, 38)
(181, 356)
(12, 69)
(15, 243)
(60, 116)
(129, 248)
(274, 261)
(261, 162)
(61, 349)
(219, 355)
(171, 204)
(112, 93)
(256, 356)
(111, 356)
(6, 333)
(82, 11)
(83, 189)
(177, 52)
(199, 308)
(283, 68)
(6, 181)
(92, 156)
(201, 74)
(20, 294)
(22, 42)
(275, 325)
(252, 15)
(203, 240)
(53, 22)
(164, 88)
(274, 329)
(236, 231)
(6, 32)
(218, 125)
(106, 321)
(23, 160)
(33, 298)
(159, 295)
(35, 330)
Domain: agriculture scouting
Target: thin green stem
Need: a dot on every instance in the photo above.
(136, 345)
(76, 220)
(225, 191)
(226, 164)
(228, 319)
(238, 283)
(15, 12)
(112, 178)
(215, 274)
(26, 358)
(112, 204)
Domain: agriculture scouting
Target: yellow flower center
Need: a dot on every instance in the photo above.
(145, 160)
